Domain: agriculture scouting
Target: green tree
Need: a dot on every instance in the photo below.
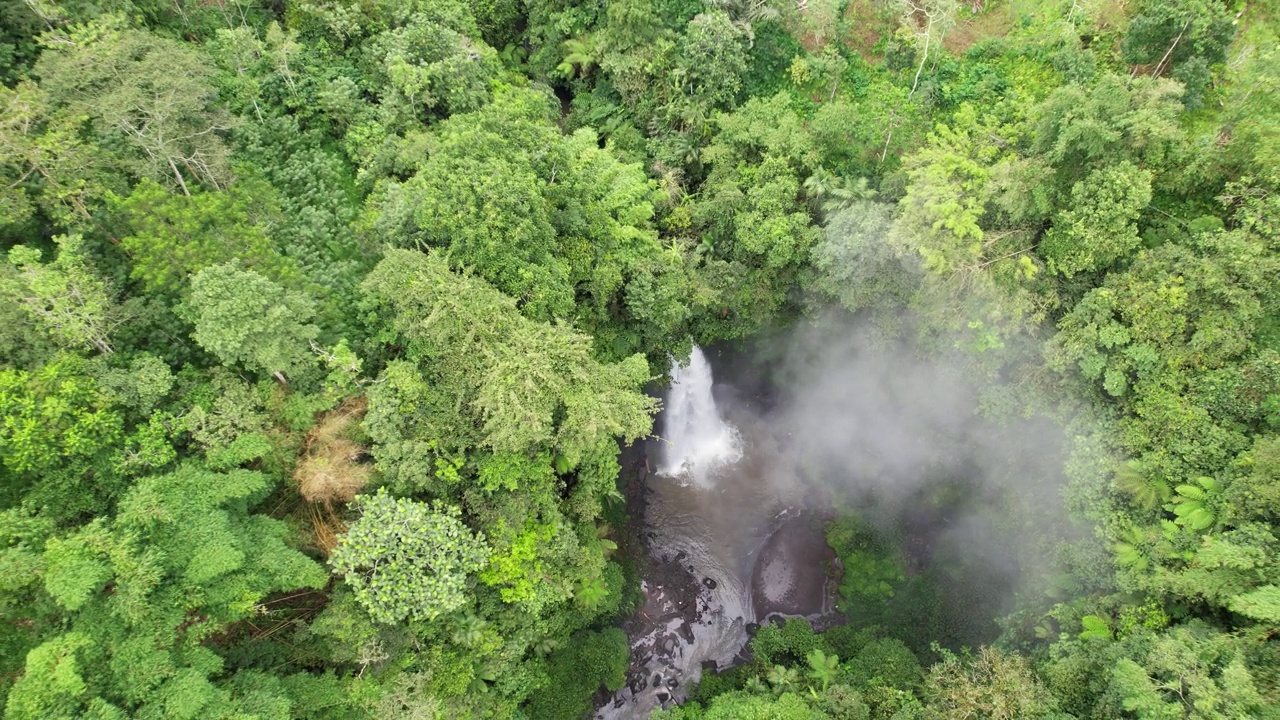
(1078, 129)
(991, 684)
(756, 231)
(149, 99)
(181, 560)
(1097, 228)
(46, 165)
(481, 198)
(405, 559)
(980, 271)
(173, 236)
(65, 297)
(524, 383)
(58, 436)
(1187, 672)
(243, 317)
(884, 662)
(442, 67)
(556, 222)
(712, 50)
(1182, 39)
(855, 262)
(589, 661)
(745, 706)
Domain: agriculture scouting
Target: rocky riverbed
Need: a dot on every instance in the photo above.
(715, 562)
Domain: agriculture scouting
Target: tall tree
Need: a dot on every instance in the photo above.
(405, 559)
(242, 317)
(65, 297)
(182, 559)
(150, 101)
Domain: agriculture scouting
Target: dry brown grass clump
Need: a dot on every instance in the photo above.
(332, 468)
(332, 471)
(326, 526)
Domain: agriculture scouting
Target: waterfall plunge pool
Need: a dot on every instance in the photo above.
(730, 537)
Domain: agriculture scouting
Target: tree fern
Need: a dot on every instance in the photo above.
(1195, 505)
(1131, 550)
(1148, 493)
(823, 668)
(580, 56)
(1260, 604)
(783, 679)
(1095, 627)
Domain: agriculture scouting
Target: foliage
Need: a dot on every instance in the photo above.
(1097, 228)
(65, 298)
(405, 559)
(181, 559)
(432, 251)
(870, 572)
(243, 317)
(167, 125)
(514, 376)
(991, 684)
(788, 644)
(589, 660)
(553, 221)
(56, 440)
(172, 236)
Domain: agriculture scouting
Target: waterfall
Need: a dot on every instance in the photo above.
(697, 439)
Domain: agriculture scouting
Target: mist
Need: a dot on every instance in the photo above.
(894, 433)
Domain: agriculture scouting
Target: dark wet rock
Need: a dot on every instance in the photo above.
(681, 598)
(790, 573)
(753, 628)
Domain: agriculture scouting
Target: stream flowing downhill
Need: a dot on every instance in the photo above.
(729, 538)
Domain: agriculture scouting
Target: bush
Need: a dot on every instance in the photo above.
(718, 683)
(786, 645)
(884, 662)
(576, 672)
(847, 641)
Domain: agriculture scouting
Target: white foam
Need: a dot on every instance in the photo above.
(698, 440)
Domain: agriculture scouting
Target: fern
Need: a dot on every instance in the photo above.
(1260, 604)
(1194, 505)
(1131, 479)
(823, 668)
(1131, 549)
(580, 56)
(1095, 627)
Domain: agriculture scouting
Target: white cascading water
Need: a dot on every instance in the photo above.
(697, 439)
